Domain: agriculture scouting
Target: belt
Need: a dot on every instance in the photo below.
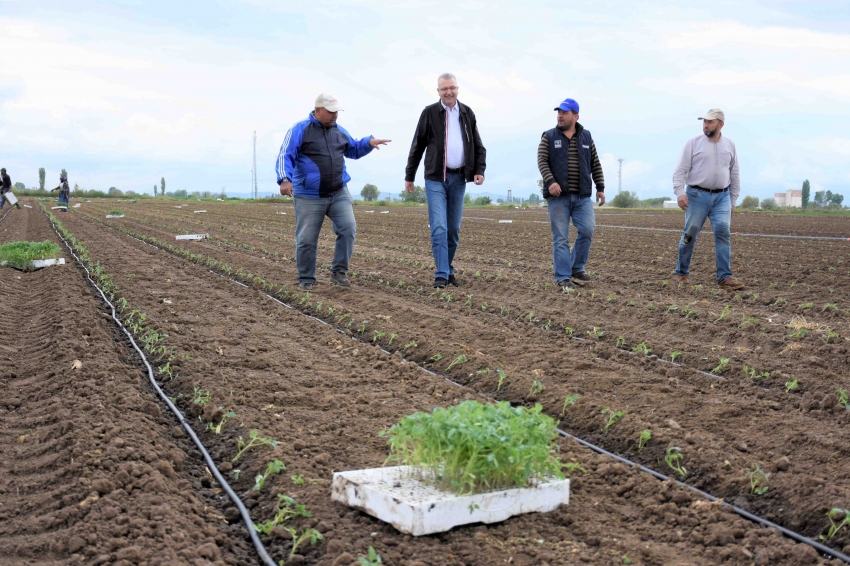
(454, 171)
(709, 190)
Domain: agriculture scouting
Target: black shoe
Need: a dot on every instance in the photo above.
(440, 283)
(566, 284)
(305, 286)
(581, 276)
(339, 278)
(452, 280)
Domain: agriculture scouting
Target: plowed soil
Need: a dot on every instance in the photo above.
(324, 391)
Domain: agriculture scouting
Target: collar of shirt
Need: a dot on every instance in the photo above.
(455, 109)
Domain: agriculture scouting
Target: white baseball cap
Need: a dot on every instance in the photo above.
(328, 102)
(713, 114)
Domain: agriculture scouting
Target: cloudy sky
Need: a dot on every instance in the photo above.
(122, 93)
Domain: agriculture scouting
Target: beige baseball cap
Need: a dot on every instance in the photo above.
(713, 114)
(328, 102)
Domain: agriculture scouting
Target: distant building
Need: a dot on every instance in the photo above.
(670, 204)
(789, 199)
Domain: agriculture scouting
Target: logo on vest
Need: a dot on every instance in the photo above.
(557, 144)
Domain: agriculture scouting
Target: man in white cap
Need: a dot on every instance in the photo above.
(311, 168)
(707, 185)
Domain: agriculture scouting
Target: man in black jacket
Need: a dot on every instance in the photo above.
(455, 156)
(5, 187)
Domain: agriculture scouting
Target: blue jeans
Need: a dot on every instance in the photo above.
(561, 209)
(309, 216)
(718, 208)
(445, 213)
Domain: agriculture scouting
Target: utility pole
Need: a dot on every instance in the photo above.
(619, 175)
(254, 170)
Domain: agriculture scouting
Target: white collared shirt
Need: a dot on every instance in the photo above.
(708, 164)
(454, 137)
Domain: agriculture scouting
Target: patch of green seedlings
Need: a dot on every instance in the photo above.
(690, 312)
(216, 428)
(645, 436)
(274, 467)
(753, 374)
(829, 306)
(115, 212)
(287, 508)
(621, 342)
(502, 377)
(473, 448)
(254, 441)
(829, 334)
(722, 366)
(747, 320)
(758, 481)
(435, 358)
(838, 519)
(641, 349)
(613, 417)
(596, 333)
(792, 385)
(457, 361)
(842, 398)
(537, 388)
(201, 396)
(569, 401)
(569, 331)
(799, 332)
(674, 458)
(806, 306)
(675, 354)
(378, 335)
(298, 479)
(21, 254)
(372, 558)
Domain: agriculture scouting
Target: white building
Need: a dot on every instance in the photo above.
(671, 204)
(790, 199)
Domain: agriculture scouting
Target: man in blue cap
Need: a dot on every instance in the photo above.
(569, 165)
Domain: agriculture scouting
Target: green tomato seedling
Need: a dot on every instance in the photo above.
(569, 401)
(674, 459)
(614, 416)
(758, 481)
(255, 441)
(645, 436)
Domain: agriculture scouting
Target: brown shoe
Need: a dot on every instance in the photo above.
(680, 278)
(731, 284)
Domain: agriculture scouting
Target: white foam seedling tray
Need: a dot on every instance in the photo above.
(77, 205)
(13, 200)
(385, 212)
(115, 216)
(58, 208)
(28, 206)
(280, 213)
(39, 263)
(198, 211)
(395, 496)
(506, 221)
(193, 237)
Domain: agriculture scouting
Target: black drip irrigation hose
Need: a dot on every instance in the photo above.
(6, 214)
(243, 511)
(822, 548)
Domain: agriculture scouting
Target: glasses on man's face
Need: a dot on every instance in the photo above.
(447, 88)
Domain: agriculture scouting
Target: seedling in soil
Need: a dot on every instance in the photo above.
(664, 283)
(482, 371)
(255, 441)
(838, 519)
(457, 361)
(830, 306)
(613, 418)
(745, 320)
(392, 337)
(474, 447)
(650, 307)
(287, 508)
(799, 333)
(690, 312)
(791, 386)
(311, 535)
(758, 481)
(573, 467)
(721, 367)
(201, 396)
(611, 298)
(780, 302)
(217, 428)
(675, 354)
(536, 388)
(485, 306)
(673, 307)
(842, 398)
(645, 436)
(620, 342)
(298, 479)
(569, 331)
(435, 358)
(235, 474)
(362, 326)
(274, 467)
(806, 306)
(674, 459)
(641, 348)
(502, 377)
(755, 375)
(829, 334)
(410, 345)
(378, 335)
(569, 401)
(596, 333)
(372, 559)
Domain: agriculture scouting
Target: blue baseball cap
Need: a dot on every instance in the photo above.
(567, 105)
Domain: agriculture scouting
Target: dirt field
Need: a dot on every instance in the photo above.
(94, 474)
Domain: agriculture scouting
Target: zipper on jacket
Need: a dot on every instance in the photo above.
(446, 144)
(330, 156)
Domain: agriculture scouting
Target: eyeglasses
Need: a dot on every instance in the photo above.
(445, 88)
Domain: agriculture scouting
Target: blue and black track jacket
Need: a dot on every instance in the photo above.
(312, 158)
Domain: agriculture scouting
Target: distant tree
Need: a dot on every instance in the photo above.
(181, 193)
(41, 177)
(206, 194)
(625, 199)
(500, 201)
(533, 199)
(836, 200)
(482, 201)
(749, 202)
(820, 198)
(20, 187)
(113, 192)
(63, 173)
(195, 194)
(769, 204)
(154, 190)
(370, 192)
(162, 185)
(417, 196)
(651, 202)
(222, 195)
(807, 189)
(467, 199)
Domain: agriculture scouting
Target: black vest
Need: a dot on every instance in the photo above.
(558, 159)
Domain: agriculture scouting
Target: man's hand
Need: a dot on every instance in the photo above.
(375, 142)
(408, 186)
(600, 198)
(478, 179)
(555, 190)
(682, 201)
(286, 189)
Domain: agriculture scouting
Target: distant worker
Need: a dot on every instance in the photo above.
(569, 166)
(455, 156)
(311, 168)
(5, 187)
(64, 192)
(709, 168)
